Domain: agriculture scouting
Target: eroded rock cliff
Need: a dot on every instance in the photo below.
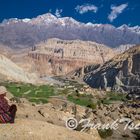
(122, 73)
(59, 57)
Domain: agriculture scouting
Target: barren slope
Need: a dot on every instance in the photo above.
(10, 71)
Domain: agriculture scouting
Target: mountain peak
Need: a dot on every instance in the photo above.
(135, 29)
(69, 21)
(47, 15)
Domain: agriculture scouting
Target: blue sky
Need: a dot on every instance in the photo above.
(116, 12)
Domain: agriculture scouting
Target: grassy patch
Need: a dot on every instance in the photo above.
(116, 96)
(31, 92)
(83, 100)
(111, 97)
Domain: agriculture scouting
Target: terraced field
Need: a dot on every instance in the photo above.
(71, 92)
(31, 92)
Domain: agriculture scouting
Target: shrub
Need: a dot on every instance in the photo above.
(105, 133)
(92, 106)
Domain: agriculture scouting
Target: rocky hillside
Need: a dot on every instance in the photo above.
(59, 57)
(123, 48)
(48, 121)
(10, 71)
(27, 32)
(43, 122)
(122, 73)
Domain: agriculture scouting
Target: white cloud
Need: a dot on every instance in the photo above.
(116, 10)
(58, 12)
(86, 8)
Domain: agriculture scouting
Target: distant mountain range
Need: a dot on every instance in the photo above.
(27, 32)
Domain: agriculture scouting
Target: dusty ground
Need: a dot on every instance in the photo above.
(42, 122)
(38, 130)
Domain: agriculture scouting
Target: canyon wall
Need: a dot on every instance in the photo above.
(59, 57)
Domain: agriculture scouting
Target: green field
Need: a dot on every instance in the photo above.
(31, 92)
(40, 94)
(83, 100)
(92, 102)
(112, 97)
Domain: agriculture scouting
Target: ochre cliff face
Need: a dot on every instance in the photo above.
(59, 57)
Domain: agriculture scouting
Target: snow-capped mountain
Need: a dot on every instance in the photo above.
(135, 29)
(27, 32)
(44, 20)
